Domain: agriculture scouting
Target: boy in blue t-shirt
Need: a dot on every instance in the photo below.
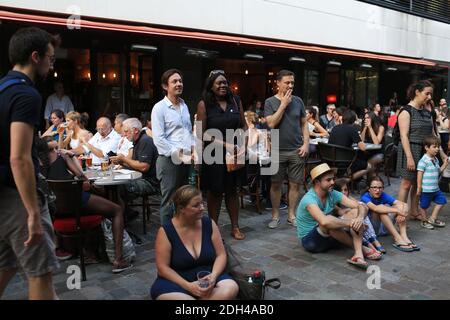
(428, 172)
(384, 207)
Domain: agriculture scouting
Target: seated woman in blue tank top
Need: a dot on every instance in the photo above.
(188, 244)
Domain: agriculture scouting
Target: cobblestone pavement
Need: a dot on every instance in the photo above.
(418, 275)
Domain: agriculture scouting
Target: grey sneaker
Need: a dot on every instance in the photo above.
(274, 223)
(292, 222)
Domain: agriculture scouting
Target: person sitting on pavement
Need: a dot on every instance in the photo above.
(428, 172)
(125, 146)
(383, 207)
(103, 142)
(63, 165)
(370, 239)
(189, 243)
(143, 160)
(318, 230)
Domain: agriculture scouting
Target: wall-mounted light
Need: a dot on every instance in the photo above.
(253, 56)
(334, 63)
(365, 66)
(104, 76)
(297, 59)
(132, 76)
(89, 75)
(246, 71)
(142, 47)
(271, 73)
(55, 74)
(114, 75)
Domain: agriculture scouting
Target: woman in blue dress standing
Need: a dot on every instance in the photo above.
(189, 243)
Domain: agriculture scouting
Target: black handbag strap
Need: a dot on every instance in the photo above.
(273, 283)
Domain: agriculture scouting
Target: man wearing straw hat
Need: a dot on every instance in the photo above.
(318, 230)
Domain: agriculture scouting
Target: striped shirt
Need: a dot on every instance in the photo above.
(430, 168)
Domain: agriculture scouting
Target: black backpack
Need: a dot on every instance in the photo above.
(396, 132)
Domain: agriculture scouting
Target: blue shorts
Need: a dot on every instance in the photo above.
(427, 197)
(314, 242)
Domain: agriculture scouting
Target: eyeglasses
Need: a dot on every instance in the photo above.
(216, 72)
(377, 188)
(52, 58)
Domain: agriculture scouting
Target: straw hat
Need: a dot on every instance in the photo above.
(319, 170)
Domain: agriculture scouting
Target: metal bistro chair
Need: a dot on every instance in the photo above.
(146, 205)
(390, 160)
(339, 158)
(68, 222)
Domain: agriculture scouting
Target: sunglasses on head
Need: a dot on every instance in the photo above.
(214, 72)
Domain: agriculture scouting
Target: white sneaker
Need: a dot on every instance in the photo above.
(274, 223)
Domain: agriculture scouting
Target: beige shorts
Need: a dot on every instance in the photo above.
(290, 165)
(36, 260)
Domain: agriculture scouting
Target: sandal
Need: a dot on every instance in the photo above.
(237, 234)
(414, 246)
(437, 223)
(427, 225)
(358, 262)
(372, 255)
(119, 267)
(418, 217)
(381, 249)
(403, 247)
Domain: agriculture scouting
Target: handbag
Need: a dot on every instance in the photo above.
(232, 164)
(252, 285)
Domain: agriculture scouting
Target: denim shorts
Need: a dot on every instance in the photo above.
(314, 242)
(427, 197)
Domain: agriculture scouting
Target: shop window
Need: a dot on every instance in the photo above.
(311, 89)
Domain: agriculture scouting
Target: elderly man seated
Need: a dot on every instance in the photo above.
(105, 141)
(318, 230)
(143, 160)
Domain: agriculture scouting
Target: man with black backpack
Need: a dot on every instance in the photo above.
(26, 233)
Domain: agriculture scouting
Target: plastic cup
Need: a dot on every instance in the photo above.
(203, 280)
(89, 161)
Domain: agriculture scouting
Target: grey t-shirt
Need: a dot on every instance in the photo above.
(291, 137)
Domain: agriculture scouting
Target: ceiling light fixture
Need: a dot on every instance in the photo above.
(296, 59)
(201, 53)
(253, 56)
(365, 66)
(391, 69)
(142, 47)
(334, 63)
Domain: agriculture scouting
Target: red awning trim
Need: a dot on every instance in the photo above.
(40, 19)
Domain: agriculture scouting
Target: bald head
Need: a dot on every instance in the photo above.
(104, 126)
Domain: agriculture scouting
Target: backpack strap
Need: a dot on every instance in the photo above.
(11, 82)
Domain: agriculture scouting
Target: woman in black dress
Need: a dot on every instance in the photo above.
(219, 109)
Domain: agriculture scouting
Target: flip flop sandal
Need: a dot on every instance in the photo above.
(372, 255)
(401, 247)
(358, 262)
(414, 246)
